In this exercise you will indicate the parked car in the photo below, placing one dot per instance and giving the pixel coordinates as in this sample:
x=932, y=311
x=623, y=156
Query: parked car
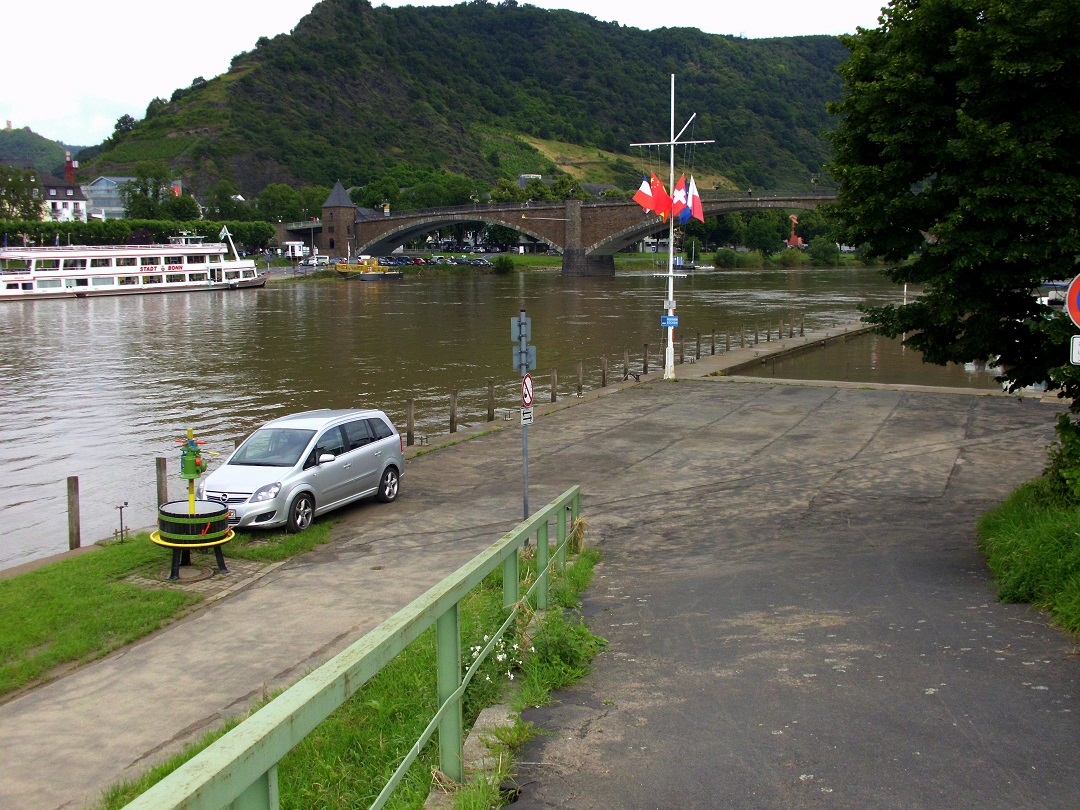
x=297, y=467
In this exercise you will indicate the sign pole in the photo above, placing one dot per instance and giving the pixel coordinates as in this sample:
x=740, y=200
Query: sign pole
x=524, y=359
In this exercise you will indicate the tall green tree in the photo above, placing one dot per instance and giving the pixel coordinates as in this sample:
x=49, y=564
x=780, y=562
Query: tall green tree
x=20, y=195
x=278, y=203
x=761, y=234
x=957, y=153
x=143, y=196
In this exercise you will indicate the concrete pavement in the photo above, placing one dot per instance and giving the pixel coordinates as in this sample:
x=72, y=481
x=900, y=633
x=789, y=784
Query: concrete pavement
x=795, y=608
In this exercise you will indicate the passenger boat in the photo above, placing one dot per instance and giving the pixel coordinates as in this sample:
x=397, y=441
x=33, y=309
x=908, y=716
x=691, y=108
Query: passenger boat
x=78, y=271
x=368, y=268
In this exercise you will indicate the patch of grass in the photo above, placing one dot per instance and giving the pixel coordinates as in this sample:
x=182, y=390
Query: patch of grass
x=79, y=609
x=1032, y=545
x=274, y=546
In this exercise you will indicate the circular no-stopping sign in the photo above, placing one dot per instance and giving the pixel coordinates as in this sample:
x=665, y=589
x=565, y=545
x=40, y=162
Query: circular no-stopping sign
x=1072, y=300
x=527, y=391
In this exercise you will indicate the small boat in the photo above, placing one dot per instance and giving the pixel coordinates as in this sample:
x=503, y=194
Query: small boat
x=78, y=271
x=368, y=268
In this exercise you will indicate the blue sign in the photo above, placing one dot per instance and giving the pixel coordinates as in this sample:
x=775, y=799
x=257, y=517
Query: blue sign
x=669, y=320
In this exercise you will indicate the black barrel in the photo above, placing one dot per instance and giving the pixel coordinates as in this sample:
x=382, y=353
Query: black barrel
x=208, y=526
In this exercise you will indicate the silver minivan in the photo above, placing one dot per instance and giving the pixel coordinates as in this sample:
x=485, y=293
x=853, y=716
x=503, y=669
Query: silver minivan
x=297, y=467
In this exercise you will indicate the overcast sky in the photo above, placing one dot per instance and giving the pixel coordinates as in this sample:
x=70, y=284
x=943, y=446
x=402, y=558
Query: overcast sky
x=73, y=68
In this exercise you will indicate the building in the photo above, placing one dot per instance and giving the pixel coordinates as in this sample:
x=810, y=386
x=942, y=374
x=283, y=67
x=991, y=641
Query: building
x=61, y=200
x=103, y=197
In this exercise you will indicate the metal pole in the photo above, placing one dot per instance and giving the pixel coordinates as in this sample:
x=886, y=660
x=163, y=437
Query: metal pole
x=523, y=358
x=669, y=355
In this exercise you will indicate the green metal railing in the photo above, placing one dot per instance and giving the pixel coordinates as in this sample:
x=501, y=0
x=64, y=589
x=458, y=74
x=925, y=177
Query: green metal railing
x=239, y=770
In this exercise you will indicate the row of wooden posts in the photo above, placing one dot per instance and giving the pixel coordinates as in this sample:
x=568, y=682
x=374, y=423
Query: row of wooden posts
x=743, y=336
x=730, y=340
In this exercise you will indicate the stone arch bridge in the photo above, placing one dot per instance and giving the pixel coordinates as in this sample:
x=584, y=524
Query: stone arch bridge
x=588, y=234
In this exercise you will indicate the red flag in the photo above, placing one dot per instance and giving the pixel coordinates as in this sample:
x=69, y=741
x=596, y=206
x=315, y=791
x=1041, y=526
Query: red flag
x=693, y=202
x=661, y=202
x=643, y=196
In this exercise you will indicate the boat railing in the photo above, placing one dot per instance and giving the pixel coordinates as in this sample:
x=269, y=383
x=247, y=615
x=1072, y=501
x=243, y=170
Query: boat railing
x=203, y=247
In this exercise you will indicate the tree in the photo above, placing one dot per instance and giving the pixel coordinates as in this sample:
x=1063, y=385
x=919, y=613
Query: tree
x=180, y=209
x=125, y=123
x=20, y=195
x=824, y=252
x=958, y=158
x=278, y=202
x=761, y=235
x=143, y=196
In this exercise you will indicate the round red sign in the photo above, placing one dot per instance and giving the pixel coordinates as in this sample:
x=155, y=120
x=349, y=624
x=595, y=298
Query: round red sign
x=1072, y=301
x=527, y=391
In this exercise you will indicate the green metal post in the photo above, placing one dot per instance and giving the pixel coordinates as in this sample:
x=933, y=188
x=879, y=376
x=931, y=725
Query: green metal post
x=261, y=794
x=560, y=538
x=542, y=552
x=448, y=664
x=511, y=580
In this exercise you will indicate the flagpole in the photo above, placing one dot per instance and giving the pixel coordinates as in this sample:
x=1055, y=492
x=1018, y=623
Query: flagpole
x=669, y=302
x=669, y=354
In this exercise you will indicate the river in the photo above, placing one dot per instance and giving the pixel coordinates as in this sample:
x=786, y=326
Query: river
x=99, y=387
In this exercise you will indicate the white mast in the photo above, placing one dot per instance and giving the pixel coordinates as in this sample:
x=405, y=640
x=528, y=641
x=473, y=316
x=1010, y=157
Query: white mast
x=669, y=302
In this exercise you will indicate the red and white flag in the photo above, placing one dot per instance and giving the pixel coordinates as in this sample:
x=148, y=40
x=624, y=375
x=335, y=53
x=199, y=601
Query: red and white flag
x=643, y=196
x=693, y=202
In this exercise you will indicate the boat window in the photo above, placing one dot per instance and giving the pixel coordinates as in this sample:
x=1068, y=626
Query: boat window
x=126, y=280
x=74, y=264
x=174, y=278
x=150, y=261
x=196, y=276
x=28, y=285
x=196, y=260
x=103, y=281
x=14, y=286
x=47, y=264
x=151, y=280
x=126, y=261
x=174, y=260
x=249, y=274
x=98, y=262
x=46, y=283
x=76, y=282
x=232, y=274
x=214, y=259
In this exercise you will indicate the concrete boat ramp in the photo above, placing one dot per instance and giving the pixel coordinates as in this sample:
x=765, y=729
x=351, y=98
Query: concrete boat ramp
x=795, y=608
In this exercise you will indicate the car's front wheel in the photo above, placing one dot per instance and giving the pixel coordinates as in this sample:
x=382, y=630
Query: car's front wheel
x=388, y=486
x=301, y=513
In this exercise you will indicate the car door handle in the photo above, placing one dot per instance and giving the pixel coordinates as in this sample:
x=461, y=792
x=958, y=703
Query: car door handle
x=346, y=466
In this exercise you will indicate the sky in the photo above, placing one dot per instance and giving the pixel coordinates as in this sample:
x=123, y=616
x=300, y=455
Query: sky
x=74, y=68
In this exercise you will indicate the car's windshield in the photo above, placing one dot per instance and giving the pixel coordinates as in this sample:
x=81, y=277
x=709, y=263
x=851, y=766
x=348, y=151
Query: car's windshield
x=272, y=447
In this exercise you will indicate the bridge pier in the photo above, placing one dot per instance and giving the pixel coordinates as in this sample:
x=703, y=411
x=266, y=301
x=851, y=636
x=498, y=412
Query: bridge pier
x=576, y=263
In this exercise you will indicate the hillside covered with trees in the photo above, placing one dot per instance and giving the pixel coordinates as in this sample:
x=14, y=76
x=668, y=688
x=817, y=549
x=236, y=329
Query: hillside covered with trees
x=483, y=90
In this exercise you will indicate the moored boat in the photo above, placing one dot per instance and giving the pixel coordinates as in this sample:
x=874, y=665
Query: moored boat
x=187, y=263
x=368, y=268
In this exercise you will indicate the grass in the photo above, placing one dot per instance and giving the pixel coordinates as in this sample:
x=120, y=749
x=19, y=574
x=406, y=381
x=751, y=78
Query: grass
x=350, y=756
x=1032, y=545
x=74, y=611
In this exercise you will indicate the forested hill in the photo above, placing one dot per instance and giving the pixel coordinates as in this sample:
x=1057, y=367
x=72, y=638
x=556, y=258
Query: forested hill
x=482, y=90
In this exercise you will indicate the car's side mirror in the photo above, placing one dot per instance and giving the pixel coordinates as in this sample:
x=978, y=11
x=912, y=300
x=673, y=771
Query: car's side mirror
x=326, y=458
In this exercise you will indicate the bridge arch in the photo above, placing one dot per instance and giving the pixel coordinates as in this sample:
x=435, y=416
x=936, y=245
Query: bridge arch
x=396, y=235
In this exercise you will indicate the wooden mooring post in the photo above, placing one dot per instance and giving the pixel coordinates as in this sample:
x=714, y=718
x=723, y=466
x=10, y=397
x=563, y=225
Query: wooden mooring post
x=161, y=469
x=74, y=521
x=580, y=378
x=554, y=385
x=410, y=423
x=645, y=359
x=603, y=371
x=491, y=400
x=453, y=410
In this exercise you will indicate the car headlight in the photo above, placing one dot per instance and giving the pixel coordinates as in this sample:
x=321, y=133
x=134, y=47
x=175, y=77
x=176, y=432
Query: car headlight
x=267, y=493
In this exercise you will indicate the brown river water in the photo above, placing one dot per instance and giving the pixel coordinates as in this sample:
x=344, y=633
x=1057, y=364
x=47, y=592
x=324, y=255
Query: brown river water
x=100, y=387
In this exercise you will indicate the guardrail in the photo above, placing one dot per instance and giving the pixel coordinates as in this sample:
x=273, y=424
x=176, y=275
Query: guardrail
x=240, y=769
